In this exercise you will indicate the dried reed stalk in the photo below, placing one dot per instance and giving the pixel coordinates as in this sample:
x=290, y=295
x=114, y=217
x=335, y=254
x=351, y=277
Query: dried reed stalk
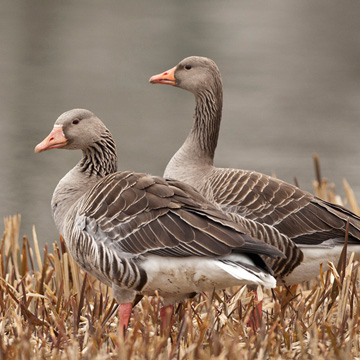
x=54, y=311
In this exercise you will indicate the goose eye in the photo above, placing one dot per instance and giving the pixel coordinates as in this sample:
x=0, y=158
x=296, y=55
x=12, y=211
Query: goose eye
x=75, y=121
x=187, y=67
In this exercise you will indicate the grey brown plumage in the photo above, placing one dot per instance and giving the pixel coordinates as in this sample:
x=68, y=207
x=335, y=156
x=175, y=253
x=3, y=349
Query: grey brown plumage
x=303, y=217
x=302, y=222
x=127, y=229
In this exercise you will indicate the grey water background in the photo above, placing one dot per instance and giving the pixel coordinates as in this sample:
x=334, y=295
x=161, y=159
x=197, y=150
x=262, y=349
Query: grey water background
x=290, y=68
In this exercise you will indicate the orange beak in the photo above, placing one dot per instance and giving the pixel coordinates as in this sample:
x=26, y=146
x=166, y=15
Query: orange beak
x=54, y=140
x=167, y=78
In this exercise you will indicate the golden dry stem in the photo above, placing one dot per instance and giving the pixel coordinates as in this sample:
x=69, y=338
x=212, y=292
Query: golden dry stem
x=49, y=309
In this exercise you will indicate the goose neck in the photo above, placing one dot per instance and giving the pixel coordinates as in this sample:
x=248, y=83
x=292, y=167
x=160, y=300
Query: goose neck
x=98, y=160
x=207, y=117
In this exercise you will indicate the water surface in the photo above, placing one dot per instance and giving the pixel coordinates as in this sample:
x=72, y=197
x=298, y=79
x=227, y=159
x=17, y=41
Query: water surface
x=291, y=74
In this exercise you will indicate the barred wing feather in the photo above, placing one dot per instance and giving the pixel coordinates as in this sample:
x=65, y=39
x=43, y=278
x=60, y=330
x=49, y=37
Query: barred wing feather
x=303, y=217
x=139, y=214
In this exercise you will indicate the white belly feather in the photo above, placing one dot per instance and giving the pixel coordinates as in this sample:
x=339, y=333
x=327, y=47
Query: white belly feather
x=175, y=277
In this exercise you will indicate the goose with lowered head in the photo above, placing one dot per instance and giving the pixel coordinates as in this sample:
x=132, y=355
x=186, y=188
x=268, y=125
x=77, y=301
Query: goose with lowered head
x=139, y=233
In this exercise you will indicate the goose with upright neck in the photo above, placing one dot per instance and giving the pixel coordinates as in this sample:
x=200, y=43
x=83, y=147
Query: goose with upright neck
x=139, y=233
x=195, y=157
x=316, y=228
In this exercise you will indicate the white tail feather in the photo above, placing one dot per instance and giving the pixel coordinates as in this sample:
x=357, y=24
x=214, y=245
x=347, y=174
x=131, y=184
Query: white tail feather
x=241, y=272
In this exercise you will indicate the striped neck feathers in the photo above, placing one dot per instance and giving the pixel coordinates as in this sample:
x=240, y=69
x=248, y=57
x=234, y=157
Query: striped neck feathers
x=100, y=159
x=207, y=117
x=195, y=158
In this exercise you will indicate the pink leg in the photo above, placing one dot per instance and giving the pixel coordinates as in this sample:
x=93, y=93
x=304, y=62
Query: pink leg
x=165, y=316
x=255, y=319
x=124, y=313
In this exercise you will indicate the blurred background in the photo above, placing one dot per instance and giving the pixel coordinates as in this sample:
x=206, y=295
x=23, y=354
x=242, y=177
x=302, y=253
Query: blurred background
x=291, y=75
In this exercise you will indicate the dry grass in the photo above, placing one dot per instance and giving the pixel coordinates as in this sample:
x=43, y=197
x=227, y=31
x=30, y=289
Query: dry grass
x=49, y=309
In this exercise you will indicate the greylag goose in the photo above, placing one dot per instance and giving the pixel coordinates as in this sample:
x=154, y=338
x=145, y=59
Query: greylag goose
x=139, y=233
x=315, y=227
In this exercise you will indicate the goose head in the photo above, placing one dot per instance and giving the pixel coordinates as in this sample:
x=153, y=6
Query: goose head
x=195, y=73
x=74, y=129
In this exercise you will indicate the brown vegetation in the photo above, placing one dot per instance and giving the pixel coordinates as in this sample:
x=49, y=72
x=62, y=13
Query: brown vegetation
x=49, y=309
